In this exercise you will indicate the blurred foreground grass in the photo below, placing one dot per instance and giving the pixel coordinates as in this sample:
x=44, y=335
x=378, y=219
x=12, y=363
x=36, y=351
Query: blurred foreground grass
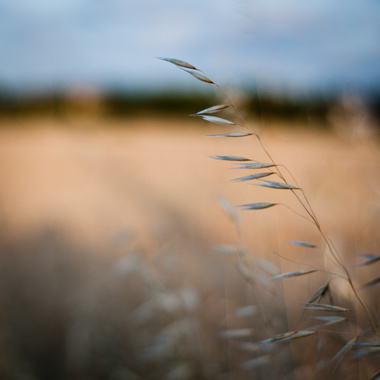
x=107, y=263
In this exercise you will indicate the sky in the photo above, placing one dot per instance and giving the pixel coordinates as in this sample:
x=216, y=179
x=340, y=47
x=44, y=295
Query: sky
x=314, y=45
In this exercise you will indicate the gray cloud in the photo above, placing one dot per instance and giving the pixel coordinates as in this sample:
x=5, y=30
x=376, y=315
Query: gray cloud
x=275, y=43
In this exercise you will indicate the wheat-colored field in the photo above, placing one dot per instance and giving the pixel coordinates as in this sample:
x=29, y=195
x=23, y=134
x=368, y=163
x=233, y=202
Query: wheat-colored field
x=101, y=194
x=92, y=179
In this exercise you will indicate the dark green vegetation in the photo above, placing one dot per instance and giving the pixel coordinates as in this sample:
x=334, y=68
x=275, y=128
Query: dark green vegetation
x=124, y=104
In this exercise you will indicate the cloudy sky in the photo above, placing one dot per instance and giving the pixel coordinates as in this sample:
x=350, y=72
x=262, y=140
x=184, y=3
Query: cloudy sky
x=310, y=45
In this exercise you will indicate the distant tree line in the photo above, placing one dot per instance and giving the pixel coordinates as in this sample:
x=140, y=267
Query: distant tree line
x=121, y=104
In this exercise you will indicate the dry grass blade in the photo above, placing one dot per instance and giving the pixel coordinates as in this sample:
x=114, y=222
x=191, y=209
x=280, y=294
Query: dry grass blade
x=212, y=109
x=246, y=311
x=199, y=76
x=278, y=337
x=255, y=165
x=256, y=362
x=237, y=333
x=374, y=344
x=373, y=282
x=232, y=134
x=179, y=63
x=290, y=335
x=252, y=176
x=296, y=273
x=257, y=205
x=227, y=249
x=268, y=267
x=366, y=352
x=230, y=158
x=256, y=348
x=325, y=307
x=300, y=334
x=330, y=320
x=319, y=293
x=230, y=211
x=370, y=259
x=375, y=376
x=247, y=273
x=344, y=351
x=277, y=185
x=217, y=120
x=302, y=244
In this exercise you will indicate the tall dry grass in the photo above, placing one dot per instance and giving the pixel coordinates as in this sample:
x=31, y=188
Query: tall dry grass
x=342, y=327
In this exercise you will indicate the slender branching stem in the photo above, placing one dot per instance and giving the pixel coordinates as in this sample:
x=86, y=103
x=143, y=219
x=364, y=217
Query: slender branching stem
x=309, y=210
x=303, y=201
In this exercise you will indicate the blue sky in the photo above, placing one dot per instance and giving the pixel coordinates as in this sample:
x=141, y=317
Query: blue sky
x=310, y=45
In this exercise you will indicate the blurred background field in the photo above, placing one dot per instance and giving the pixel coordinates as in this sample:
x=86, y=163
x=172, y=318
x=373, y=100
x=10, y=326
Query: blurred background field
x=110, y=206
x=108, y=235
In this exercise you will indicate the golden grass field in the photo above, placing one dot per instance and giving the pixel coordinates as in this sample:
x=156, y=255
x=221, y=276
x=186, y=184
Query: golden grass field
x=91, y=179
x=80, y=199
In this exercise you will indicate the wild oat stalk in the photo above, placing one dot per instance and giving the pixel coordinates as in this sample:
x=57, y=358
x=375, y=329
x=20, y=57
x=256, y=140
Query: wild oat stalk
x=276, y=169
